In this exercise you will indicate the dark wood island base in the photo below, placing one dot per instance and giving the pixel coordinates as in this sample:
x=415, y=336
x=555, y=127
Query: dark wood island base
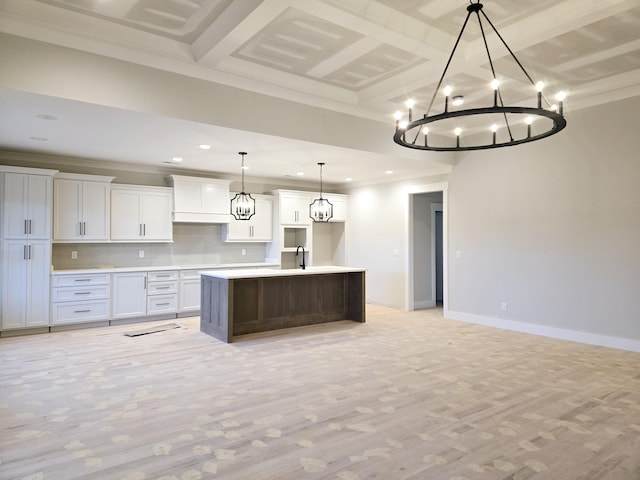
x=237, y=303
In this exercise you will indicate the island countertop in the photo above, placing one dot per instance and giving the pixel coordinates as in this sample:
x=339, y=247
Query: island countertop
x=272, y=272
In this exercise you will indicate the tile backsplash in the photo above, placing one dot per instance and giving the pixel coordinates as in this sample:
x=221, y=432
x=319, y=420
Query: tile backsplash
x=193, y=244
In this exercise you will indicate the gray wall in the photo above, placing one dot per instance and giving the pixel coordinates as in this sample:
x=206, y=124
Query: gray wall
x=552, y=228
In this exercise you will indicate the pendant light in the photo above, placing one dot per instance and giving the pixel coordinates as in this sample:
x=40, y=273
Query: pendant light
x=321, y=209
x=243, y=205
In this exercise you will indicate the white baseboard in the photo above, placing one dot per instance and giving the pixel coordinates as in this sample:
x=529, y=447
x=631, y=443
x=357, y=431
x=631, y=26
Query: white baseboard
x=546, y=331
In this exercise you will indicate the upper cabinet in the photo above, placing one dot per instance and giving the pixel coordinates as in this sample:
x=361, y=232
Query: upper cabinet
x=339, y=203
x=26, y=203
x=200, y=200
x=294, y=207
x=141, y=214
x=81, y=208
x=259, y=228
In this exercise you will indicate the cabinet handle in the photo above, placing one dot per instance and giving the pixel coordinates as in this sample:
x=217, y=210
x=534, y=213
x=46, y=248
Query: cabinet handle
x=164, y=275
x=30, y=227
x=164, y=303
x=81, y=311
x=26, y=228
x=82, y=280
x=144, y=229
x=163, y=288
x=24, y=252
x=82, y=293
x=140, y=229
x=29, y=252
x=84, y=228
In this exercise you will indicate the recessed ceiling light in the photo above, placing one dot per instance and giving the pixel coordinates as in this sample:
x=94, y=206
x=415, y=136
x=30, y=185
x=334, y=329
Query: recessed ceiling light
x=39, y=139
x=204, y=146
x=47, y=116
x=300, y=174
x=388, y=172
x=348, y=179
x=245, y=167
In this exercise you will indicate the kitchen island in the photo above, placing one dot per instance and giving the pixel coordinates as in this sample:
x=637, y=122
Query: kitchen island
x=239, y=302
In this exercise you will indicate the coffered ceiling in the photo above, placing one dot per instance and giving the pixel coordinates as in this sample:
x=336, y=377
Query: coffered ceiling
x=355, y=57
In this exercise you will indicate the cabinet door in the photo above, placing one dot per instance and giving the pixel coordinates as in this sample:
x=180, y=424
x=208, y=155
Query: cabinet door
x=39, y=207
x=129, y=295
x=14, y=205
x=14, y=284
x=156, y=216
x=67, y=215
x=339, y=208
x=189, y=295
x=263, y=221
x=294, y=209
x=25, y=283
x=95, y=211
x=126, y=218
x=37, y=283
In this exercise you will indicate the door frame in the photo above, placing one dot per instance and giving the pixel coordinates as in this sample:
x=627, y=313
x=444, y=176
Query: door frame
x=409, y=267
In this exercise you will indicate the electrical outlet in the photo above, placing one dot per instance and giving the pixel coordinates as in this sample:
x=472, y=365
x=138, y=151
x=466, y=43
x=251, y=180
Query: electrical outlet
x=74, y=255
x=141, y=254
x=503, y=306
x=458, y=253
x=244, y=251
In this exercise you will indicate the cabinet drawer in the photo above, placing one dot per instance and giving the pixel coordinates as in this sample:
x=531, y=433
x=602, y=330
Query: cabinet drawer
x=159, y=288
x=162, y=276
x=90, y=292
x=80, y=280
x=79, y=312
x=162, y=304
x=189, y=274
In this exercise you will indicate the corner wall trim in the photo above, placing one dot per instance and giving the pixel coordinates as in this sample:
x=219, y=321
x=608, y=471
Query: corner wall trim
x=546, y=331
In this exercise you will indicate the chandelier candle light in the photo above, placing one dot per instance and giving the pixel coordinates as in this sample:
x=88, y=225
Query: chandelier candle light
x=321, y=209
x=243, y=205
x=414, y=133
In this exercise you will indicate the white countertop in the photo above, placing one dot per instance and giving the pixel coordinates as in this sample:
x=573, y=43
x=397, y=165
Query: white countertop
x=272, y=272
x=115, y=269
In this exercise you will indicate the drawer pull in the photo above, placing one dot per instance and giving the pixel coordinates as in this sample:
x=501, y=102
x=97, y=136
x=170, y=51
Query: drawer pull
x=165, y=275
x=82, y=280
x=81, y=311
x=164, y=303
x=163, y=288
x=82, y=293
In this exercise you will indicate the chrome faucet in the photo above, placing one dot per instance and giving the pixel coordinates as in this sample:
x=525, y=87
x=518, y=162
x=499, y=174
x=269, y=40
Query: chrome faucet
x=298, y=251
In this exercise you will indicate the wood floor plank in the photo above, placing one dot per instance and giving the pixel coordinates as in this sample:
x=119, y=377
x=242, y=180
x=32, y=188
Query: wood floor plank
x=407, y=395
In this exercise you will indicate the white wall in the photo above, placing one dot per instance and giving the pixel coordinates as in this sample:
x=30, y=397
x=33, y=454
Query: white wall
x=378, y=237
x=552, y=229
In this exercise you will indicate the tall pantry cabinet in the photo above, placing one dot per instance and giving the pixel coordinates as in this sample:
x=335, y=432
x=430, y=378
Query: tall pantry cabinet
x=26, y=197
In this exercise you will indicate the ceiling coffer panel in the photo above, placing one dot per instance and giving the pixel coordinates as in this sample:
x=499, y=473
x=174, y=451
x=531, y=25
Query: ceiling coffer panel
x=182, y=20
x=295, y=42
x=379, y=63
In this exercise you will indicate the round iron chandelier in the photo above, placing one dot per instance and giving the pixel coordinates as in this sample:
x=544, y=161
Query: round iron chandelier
x=505, y=125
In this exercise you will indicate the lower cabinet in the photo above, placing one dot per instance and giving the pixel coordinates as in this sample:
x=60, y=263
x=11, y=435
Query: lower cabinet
x=80, y=298
x=189, y=291
x=129, y=296
x=25, y=283
x=162, y=292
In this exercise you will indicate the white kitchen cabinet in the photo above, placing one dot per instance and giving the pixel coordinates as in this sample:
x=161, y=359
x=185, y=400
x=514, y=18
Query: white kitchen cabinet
x=26, y=205
x=259, y=228
x=294, y=208
x=128, y=295
x=80, y=298
x=141, y=214
x=189, y=294
x=25, y=283
x=162, y=292
x=339, y=203
x=200, y=200
x=81, y=208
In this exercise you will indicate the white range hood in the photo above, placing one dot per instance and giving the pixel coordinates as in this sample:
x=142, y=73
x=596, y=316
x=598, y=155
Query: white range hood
x=200, y=199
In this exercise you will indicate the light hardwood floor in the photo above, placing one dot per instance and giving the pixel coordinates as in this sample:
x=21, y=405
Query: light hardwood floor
x=407, y=395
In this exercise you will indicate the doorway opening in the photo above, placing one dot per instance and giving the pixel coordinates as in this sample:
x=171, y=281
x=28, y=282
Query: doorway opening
x=427, y=257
